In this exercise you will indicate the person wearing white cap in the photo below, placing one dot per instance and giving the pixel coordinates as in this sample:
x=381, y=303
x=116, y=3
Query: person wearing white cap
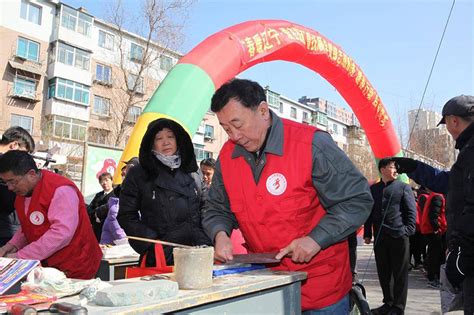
x=458, y=184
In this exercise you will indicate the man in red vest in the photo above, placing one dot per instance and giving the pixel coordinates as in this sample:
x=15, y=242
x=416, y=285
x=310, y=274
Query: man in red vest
x=289, y=189
x=54, y=225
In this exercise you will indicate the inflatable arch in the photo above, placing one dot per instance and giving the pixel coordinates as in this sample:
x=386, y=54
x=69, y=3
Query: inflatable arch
x=185, y=94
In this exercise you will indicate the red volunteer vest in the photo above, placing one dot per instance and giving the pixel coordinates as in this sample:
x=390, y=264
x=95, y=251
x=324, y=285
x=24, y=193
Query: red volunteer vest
x=419, y=211
x=284, y=206
x=426, y=227
x=80, y=259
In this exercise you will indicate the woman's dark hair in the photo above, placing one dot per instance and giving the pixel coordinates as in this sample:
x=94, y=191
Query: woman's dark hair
x=249, y=93
x=183, y=141
x=16, y=133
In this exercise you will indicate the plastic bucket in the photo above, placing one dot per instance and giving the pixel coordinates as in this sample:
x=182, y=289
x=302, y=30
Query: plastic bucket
x=193, y=267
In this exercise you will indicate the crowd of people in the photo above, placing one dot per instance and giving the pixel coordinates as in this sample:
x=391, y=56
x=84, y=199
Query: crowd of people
x=277, y=186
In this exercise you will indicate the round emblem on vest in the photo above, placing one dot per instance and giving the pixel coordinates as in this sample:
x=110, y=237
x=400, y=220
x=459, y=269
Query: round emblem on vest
x=276, y=184
x=37, y=217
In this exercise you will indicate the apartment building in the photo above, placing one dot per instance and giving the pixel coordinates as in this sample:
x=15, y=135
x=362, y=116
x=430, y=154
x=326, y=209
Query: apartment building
x=332, y=118
x=423, y=119
x=430, y=140
x=70, y=78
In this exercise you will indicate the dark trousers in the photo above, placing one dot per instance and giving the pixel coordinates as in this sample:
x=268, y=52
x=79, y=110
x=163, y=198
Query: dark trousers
x=436, y=255
x=352, y=240
x=392, y=259
x=417, y=248
x=468, y=291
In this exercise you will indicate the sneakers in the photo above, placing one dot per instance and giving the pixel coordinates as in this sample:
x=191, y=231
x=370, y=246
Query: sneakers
x=382, y=310
x=434, y=284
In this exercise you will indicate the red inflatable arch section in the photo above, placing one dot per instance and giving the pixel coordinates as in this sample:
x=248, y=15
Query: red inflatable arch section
x=225, y=54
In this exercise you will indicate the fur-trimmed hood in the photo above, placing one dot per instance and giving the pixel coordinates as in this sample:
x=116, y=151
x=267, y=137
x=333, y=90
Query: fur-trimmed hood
x=184, y=144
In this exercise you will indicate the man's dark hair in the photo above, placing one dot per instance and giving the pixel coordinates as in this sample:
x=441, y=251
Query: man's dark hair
x=104, y=176
x=384, y=162
x=247, y=92
x=18, y=162
x=20, y=135
x=208, y=162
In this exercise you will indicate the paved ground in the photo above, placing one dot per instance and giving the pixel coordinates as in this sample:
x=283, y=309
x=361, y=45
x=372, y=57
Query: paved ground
x=421, y=299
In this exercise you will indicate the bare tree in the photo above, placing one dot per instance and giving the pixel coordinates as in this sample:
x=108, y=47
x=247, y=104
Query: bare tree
x=136, y=71
x=360, y=153
x=436, y=144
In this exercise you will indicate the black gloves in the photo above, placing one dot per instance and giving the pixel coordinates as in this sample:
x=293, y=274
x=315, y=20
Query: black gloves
x=404, y=165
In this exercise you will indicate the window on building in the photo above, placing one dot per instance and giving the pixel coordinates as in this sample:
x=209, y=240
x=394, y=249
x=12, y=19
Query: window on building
x=68, y=18
x=281, y=107
x=30, y=12
x=106, y=40
x=136, y=53
x=97, y=135
x=321, y=118
x=133, y=113
x=69, y=128
x=103, y=73
x=24, y=87
x=66, y=54
x=200, y=153
x=25, y=122
x=84, y=24
x=69, y=90
x=27, y=49
x=166, y=63
x=135, y=83
x=76, y=21
x=335, y=129
x=82, y=59
x=209, y=132
x=273, y=99
x=305, y=117
x=101, y=106
x=293, y=112
x=344, y=131
x=72, y=56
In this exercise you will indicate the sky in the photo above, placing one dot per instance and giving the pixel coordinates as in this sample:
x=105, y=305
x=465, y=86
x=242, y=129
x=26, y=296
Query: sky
x=393, y=41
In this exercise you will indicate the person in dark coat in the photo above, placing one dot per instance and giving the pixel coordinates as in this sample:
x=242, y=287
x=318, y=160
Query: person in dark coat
x=14, y=138
x=98, y=208
x=458, y=184
x=161, y=198
x=393, y=219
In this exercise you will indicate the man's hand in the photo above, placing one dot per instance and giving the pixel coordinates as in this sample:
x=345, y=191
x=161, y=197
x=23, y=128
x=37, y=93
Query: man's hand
x=223, y=247
x=404, y=165
x=7, y=249
x=301, y=250
x=367, y=240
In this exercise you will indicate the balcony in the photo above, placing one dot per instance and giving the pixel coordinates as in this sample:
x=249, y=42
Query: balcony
x=24, y=89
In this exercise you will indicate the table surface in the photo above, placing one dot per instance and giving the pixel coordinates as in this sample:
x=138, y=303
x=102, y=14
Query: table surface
x=223, y=287
x=122, y=259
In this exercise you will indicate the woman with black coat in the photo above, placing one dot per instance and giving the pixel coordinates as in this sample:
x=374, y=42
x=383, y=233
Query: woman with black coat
x=162, y=197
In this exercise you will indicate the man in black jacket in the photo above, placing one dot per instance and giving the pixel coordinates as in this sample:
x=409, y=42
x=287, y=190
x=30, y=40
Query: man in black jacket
x=458, y=184
x=393, y=218
x=14, y=138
